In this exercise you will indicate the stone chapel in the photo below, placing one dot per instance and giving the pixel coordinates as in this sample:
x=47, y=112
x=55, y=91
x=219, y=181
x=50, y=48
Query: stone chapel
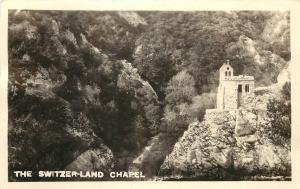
x=233, y=91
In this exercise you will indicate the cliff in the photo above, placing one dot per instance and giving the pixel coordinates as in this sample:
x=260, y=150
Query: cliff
x=229, y=145
x=116, y=90
x=67, y=99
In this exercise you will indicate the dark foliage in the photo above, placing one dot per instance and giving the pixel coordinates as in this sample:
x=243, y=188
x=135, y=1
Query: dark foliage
x=68, y=63
x=280, y=113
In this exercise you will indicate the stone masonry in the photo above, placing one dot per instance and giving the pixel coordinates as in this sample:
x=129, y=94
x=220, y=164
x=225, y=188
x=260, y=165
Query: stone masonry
x=233, y=91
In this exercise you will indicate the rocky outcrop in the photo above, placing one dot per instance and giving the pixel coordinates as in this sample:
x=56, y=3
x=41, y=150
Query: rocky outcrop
x=70, y=88
x=277, y=33
x=227, y=145
x=100, y=159
x=67, y=97
x=284, y=75
x=132, y=18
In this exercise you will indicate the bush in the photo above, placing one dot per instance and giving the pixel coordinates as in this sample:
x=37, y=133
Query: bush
x=280, y=113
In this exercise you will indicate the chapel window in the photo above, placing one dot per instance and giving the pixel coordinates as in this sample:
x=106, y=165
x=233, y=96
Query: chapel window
x=247, y=88
x=240, y=88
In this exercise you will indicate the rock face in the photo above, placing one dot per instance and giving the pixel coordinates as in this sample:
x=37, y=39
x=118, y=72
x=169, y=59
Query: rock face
x=100, y=159
x=68, y=96
x=284, y=75
x=227, y=145
x=132, y=18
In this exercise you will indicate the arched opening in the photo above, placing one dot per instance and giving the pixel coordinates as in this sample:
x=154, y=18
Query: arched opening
x=226, y=73
x=229, y=73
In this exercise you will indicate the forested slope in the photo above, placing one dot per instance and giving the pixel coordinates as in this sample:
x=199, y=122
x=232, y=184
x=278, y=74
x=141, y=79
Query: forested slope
x=108, y=82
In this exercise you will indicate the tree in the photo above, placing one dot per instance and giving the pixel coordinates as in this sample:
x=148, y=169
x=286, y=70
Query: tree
x=153, y=60
x=180, y=89
x=201, y=103
x=280, y=113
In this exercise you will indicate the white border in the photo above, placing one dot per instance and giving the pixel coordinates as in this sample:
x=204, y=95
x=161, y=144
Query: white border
x=184, y=5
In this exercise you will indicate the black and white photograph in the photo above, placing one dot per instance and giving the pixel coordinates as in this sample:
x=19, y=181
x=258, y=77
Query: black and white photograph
x=158, y=95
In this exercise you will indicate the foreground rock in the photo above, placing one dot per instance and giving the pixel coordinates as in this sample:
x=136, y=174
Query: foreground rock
x=228, y=145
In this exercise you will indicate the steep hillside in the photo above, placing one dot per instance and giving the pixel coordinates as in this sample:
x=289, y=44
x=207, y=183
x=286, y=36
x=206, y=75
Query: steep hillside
x=67, y=99
x=232, y=145
x=115, y=90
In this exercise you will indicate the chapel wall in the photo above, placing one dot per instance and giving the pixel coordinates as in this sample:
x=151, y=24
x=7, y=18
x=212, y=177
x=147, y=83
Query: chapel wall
x=230, y=95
